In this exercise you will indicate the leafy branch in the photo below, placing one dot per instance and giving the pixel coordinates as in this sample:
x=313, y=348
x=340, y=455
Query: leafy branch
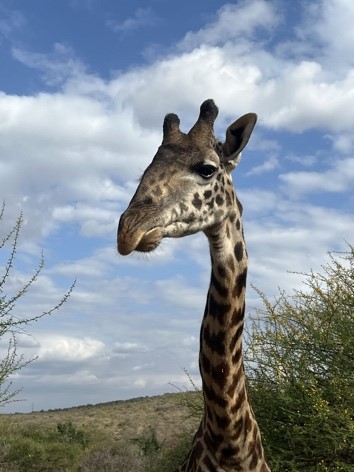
x=10, y=324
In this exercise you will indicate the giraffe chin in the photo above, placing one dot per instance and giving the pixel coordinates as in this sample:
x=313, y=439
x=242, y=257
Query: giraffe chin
x=150, y=240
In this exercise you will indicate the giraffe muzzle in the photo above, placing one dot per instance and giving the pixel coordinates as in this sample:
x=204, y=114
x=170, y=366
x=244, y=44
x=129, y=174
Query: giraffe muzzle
x=138, y=241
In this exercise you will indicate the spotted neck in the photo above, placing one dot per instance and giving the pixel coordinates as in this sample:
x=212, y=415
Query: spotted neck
x=228, y=438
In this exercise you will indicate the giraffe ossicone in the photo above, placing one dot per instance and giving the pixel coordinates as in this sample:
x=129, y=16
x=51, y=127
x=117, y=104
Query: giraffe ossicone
x=188, y=188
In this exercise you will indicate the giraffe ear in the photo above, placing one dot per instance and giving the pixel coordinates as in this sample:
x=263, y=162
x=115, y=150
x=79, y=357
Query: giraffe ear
x=237, y=136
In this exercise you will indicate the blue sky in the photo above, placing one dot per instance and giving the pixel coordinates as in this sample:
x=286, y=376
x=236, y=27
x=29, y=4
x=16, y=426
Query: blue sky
x=84, y=87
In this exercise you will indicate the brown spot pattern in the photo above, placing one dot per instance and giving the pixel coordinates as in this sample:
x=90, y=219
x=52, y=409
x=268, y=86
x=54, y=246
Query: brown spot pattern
x=215, y=341
x=197, y=202
x=240, y=283
x=219, y=200
x=239, y=251
x=220, y=288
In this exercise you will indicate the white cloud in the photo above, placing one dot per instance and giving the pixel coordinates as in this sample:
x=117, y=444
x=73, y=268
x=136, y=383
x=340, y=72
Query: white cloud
x=178, y=292
x=267, y=166
x=305, y=160
x=148, y=365
x=142, y=17
x=343, y=142
x=10, y=22
x=293, y=236
x=94, y=220
x=128, y=347
x=240, y=21
x=258, y=201
x=55, y=67
x=59, y=148
x=190, y=341
x=41, y=295
x=302, y=98
x=26, y=341
x=339, y=178
x=81, y=143
x=329, y=23
x=58, y=348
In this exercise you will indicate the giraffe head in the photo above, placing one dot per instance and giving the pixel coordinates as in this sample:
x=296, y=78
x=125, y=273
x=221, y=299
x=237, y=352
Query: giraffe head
x=187, y=187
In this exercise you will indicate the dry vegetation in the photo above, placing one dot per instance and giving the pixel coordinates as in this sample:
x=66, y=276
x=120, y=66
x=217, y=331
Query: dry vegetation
x=117, y=421
x=118, y=436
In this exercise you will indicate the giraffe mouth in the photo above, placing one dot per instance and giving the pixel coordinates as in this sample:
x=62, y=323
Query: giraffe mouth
x=150, y=240
x=139, y=241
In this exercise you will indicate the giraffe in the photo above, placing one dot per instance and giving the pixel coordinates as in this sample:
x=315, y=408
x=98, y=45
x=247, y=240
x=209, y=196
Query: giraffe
x=188, y=188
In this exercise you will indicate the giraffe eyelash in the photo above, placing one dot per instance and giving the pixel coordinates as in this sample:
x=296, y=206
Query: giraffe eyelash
x=205, y=170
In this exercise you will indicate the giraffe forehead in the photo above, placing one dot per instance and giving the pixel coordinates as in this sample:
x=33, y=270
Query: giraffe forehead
x=182, y=156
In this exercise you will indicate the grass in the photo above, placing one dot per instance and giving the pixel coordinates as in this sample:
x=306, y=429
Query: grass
x=121, y=420
x=130, y=435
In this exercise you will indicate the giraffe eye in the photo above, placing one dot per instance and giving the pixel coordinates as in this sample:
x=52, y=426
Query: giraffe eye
x=205, y=170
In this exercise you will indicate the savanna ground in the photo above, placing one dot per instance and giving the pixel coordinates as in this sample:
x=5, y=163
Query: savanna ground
x=119, y=436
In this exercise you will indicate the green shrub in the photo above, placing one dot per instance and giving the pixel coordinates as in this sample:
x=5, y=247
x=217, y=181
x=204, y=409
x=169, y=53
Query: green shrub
x=171, y=458
x=69, y=433
x=41, y=449
x=26, y=454
x=149, y=444
x=301, y=372
x=114, y=459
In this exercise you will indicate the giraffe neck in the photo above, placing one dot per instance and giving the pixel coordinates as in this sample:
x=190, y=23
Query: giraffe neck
x=228, y=438
x=221, y=360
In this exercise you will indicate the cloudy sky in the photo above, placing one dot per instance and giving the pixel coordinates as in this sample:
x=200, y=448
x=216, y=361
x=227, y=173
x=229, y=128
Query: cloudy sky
x=84, y=87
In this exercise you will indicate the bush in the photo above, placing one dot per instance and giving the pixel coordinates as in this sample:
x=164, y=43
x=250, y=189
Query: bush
x=10, y=324
x=148, y=444
x=170, y=459
x=113, y=459
x=41, y=449
x=70, y=434
x=301, y=373
x=26, y=453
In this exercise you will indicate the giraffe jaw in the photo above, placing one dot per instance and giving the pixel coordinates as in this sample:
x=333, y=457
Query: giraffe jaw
x=137, y=240
x=150, y=240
